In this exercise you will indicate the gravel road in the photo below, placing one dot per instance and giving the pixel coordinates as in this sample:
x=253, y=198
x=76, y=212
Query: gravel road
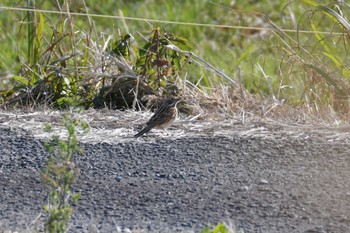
x=258, y=178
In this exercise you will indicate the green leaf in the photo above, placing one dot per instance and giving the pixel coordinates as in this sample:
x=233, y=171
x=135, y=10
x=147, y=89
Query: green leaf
x=20, y=79
x=76, y=197
x=244, y=55
x=220, y=228
x=60, y=101
x=182, y=43
x=70, y=128
x=48, y=128
x=310, y=2
x=205, y=230
x=335, y=16
x=46, y=208
x=6, y=93
x=143, y=52
x=40, y=27
x=85, y=126
x=39, y=34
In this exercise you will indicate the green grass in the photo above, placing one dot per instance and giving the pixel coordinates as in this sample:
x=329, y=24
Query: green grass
x=297, y=66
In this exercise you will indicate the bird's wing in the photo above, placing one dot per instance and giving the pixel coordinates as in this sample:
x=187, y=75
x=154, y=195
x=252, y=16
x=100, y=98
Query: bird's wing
x=161, y=116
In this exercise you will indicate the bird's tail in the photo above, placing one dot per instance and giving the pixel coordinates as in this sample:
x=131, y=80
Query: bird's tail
x=142, y=132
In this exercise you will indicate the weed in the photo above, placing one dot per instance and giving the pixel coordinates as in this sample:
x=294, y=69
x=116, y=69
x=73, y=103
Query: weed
x=219, y=228
x=59, y=176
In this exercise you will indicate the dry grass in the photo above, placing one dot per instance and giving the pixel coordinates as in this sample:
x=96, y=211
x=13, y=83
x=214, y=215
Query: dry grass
x=116, y=83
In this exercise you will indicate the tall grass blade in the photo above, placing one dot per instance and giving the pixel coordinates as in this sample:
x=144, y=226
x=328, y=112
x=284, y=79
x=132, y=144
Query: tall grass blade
x=328, y=78
x=30, y=19
x=38, y=36
x=335, y=16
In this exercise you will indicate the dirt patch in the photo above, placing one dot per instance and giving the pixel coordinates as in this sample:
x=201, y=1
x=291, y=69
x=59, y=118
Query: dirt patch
x=258, y=176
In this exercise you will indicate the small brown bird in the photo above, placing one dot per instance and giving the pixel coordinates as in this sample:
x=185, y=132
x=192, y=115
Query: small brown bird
x=163, y=117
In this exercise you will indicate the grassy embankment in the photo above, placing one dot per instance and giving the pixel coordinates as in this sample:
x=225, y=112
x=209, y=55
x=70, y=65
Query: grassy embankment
x=283, y=54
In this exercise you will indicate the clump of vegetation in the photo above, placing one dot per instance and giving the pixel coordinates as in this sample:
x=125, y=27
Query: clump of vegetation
x=151, y=70
x=65, y=68
x=292, y=54
x=219, y=228
x=60, y=175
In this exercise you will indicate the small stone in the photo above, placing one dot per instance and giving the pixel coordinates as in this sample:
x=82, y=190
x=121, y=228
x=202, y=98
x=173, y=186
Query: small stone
x=244, y=188
x=263, y=181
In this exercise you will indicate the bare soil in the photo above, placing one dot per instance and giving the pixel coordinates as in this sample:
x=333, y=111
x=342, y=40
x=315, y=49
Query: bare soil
x=261, y=176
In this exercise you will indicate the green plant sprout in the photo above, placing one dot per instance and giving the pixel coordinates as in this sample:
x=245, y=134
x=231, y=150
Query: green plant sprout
x=60, y=175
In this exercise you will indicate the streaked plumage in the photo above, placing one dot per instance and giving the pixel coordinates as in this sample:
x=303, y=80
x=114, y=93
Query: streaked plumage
x=163, y=117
